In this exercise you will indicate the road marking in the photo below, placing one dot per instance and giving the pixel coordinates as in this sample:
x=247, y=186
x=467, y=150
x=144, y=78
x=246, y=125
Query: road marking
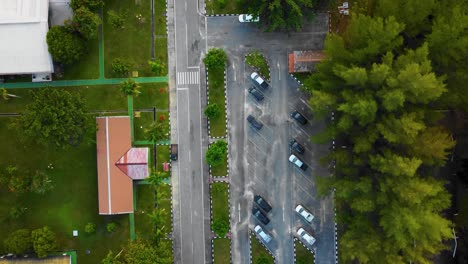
x=193, y=67
x=190, y=77
x=234, y=67
x=279, y=71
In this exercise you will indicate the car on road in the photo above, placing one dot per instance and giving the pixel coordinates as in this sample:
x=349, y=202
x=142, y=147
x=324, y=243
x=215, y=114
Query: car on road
x=306, y=236
x=262, y=203
x=248, y=18
x=296, y=146
x=258, y=80
x=256, y=94
x=260, y=216
x=264, y=236
x=304, y=213
x=296, y=161
x=299, y=117
x=256, y=124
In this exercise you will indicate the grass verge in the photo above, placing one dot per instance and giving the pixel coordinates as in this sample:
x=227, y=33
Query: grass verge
x=219, y=201
x=259, y=63
x=303, y=255
x=221, y=249
x=163, y=194
x=259, y=252
x=214, y=7
x=145, y=204
x=162, y=156
x=216, y=93
x=221, y=169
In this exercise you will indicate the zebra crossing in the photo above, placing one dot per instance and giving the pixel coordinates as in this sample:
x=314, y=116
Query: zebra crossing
x=191, y=77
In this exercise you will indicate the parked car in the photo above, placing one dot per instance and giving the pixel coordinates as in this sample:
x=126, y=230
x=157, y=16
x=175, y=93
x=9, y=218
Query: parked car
x=304, y=213
x=248, y=18
x=256, y=93
x=299, y=117
x=256, y=124
x=296, y=146
x=258, y=80
x=262, y=203
x=306, y=236
x=174, y=151
x=260, y=216
x=296, y=161
x=264, y=236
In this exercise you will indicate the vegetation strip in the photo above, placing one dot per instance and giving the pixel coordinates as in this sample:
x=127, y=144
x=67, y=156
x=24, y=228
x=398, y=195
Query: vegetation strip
x=220, y=208
x=222, y=250
x=259, y=254
x=259, y=62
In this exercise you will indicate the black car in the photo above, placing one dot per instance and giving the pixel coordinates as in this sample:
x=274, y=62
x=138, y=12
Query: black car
x=262, y=203
x=256, y=93
x=256, y=124
x=260, y=216
x=299, y=117
x=296, y=146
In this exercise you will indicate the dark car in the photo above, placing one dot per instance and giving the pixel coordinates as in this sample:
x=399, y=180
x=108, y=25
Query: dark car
x=299, y=117
x=256, y=124
x=262, y=203
x=296, y=146
x=260, y=216
x=256, y=93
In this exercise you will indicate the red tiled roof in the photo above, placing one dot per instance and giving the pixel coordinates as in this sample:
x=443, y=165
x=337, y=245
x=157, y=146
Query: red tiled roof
x=304, y=61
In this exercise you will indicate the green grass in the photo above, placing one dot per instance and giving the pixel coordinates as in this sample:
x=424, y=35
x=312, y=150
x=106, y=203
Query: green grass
x=221, y=169
x=141, y=123
x=302, y=76
x=216, y=93
x=160, y=18
x=303, y=255
x=164, y=203
x=133, y=41
x=259, y=63
x=220, y=200
x=222, y=253
x=168, y=244
x=69, y=206
x=160, y=45
x=98, y=97
x=259, y=251
x=86, y=68
x=145, y=204
x=230, y=7
x=162, y=155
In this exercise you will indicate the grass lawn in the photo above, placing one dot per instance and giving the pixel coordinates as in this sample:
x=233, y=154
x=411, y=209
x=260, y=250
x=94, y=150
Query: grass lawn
x=164, y=203
x=142, y=122
x=216, y=93
x=132, y=42
x=86, y=68
x=145, y=204
x=69, y=206
x=160, y=18
x=221, y=169
x=303, y=255
x=230, y=7
x=167, y=243
x=160, y=45
x=259, y=251
x=220, y=200
x=221, y=248
x=259, y=63
x=98, y=97
x=162, y=155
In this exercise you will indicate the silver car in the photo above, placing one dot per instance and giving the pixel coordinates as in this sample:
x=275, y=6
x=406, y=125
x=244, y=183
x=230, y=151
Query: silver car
x=306, y=236
x=304, y=213
x=264, y=236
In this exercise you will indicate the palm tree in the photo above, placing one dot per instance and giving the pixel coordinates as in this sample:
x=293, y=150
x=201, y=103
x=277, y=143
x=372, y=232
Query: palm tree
x=130, y=87
x=156, y=178
x=6, y=96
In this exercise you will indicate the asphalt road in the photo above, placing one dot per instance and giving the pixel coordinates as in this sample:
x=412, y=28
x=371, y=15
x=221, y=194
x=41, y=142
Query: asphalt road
x=190, y=179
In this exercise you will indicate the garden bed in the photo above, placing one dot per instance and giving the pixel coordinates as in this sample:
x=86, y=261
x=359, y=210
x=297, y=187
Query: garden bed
x=221, y=169
x=259, y=63
x=303, y=255
x=259, y=254
x=219, y=202
x=216, y=92
x=222, y=250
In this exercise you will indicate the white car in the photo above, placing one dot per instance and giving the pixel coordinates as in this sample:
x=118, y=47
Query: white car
x=306, y=236
x=304, y=213
x=248, y=18
x=264, y=236
x=259, y=81
x=296, y=161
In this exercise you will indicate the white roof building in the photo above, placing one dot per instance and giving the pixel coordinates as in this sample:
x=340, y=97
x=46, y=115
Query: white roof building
x=23, y=30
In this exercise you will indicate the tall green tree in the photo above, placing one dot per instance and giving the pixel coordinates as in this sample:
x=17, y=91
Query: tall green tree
x=215, y=59
x=85, y=22
x=44, y=241
x=56, y=117
x=65, y=47
x=18, y=242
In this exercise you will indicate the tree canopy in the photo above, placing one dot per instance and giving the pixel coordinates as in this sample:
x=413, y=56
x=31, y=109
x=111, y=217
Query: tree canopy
x=18, y=242
x=65, y=47
x=55, y=117
x=215, y=59
x=85, y=22
x=140, y=252
x=216, y=152
x=44, y=241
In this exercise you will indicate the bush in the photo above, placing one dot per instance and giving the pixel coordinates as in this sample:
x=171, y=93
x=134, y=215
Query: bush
x=216, y=153
x=91, y=4
x=44, y=241
x=215, y=59
x=258, y=61
x=90, y=228
x=220, y=226
x=221, y=3
x=212, y=111
x=157, y=67
x=18, y=242
x=116, y=20
x=111, y=227
x=86, y=22
x=121, y=67
x=65, y=46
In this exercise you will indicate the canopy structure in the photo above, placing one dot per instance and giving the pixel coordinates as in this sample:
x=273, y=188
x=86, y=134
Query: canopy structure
x=304, y=61
x=118, y=165
x=23, y=27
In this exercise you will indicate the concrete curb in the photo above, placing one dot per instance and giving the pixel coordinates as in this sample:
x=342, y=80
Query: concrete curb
x=221, y=15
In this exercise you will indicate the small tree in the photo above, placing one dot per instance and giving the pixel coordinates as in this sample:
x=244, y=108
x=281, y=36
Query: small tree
x=116, y=20
x=93, y=5
x=156, y=178
x=18, y=242
x=157, y=66
x=65, y=46
x=216, y=153
x=90, y=228
x=220, y=226
x=44, y=241
x=121, y=66
x=111, y=227
x=130, y=87
x=156, y=131
x=41, y=183
x=212, y=111
x=5, y=95
x=215, y=59
x=85, y=22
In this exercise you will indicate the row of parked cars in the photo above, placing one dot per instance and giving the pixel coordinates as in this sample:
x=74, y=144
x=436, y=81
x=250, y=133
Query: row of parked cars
x=260, y=211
